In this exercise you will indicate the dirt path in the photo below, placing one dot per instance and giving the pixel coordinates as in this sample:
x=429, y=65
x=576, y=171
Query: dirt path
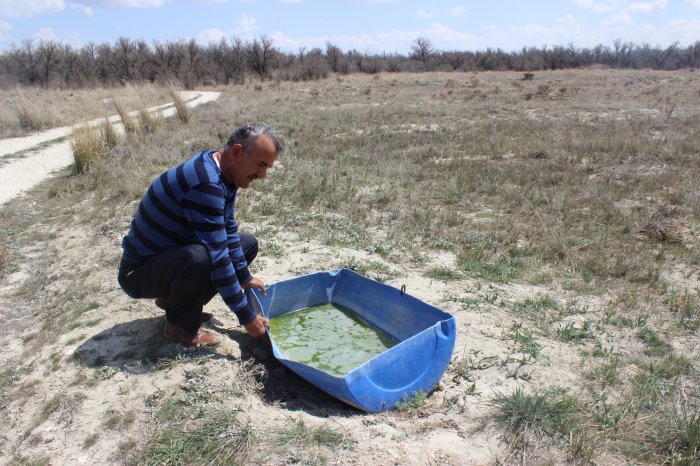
x=26, y=161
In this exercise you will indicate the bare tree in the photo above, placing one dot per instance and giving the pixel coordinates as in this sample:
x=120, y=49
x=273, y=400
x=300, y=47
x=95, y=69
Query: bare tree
x=123, y=60
x=69, y=66
x=26, y=61
x=87, y=65
x=190, y=70
x=422, y=51
x=48, y=59
x=260, y=54
x=333, y=56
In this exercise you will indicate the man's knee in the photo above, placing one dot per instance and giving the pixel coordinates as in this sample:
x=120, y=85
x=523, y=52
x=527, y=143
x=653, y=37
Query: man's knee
x=249, y=244
x=195, y=259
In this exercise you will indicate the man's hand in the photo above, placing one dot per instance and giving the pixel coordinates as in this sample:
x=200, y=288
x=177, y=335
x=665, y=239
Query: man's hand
x=256, y=283
x=256, y=328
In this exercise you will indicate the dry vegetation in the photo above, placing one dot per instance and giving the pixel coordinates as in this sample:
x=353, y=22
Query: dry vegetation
x=556, y=217
x=23, y=110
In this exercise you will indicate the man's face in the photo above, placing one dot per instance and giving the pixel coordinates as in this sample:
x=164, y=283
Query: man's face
x=241, y=167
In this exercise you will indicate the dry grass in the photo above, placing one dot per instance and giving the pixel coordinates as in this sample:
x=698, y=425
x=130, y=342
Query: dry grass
x=44, y=108
x=88, y=146
x=542, y=185
x=131, y=126
x=184, y=113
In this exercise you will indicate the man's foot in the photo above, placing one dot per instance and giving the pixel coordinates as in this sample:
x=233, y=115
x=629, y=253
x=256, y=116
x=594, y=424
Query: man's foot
x=163, y=303
x=197, y=338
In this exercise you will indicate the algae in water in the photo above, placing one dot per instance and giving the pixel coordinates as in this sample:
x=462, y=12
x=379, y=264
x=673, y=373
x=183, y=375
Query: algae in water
x=328, y=337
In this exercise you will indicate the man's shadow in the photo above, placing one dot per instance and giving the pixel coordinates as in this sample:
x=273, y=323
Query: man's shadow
x=139, y=347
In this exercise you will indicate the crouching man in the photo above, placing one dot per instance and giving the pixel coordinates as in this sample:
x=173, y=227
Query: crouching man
x=183, y=245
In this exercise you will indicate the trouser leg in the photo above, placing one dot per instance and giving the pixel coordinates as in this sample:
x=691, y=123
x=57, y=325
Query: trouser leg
x=249, y=244
x=182, y=274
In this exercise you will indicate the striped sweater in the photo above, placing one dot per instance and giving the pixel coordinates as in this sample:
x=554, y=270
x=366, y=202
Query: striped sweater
x=192, y=204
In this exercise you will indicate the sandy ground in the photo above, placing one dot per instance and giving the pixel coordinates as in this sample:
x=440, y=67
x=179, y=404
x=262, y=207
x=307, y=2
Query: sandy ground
x=65, y=421
x=26, y=161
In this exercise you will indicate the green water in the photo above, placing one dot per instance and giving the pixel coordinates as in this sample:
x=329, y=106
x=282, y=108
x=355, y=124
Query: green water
x=328, y=337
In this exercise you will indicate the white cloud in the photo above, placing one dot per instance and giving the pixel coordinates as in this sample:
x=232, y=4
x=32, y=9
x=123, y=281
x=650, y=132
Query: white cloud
x=459, y=11
x=246, y=25
x=245, y=28
x=73, y=39
x=208, y=36
x=87, y=11
x=139, y=3
x=29, y=8
x=598, y=7
x=425, y=14
x=693, y=3
x=127, y=3
x=627, y=6
x=646, y=7
x=565, y=30
x=4, y=27
x=45, y=34
x=618, y=21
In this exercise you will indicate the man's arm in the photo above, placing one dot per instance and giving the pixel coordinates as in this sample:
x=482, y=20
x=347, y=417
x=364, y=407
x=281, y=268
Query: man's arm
x=203, y=206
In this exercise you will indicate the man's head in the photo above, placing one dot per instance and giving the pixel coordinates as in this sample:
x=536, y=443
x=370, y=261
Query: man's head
x=250, y=151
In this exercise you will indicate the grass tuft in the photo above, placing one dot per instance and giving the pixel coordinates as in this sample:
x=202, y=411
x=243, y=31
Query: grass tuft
x=110, y=139
x=219, y=441
x=130, y=125
x=31, y=114
x=300, y=434
x=87, y=145
x=550, y=412
x=184, y=113
x=412, y=404
x=148, y=122
x=675, y=433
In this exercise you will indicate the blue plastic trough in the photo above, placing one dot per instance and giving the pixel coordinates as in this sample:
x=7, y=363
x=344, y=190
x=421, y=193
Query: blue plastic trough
x=426, y=336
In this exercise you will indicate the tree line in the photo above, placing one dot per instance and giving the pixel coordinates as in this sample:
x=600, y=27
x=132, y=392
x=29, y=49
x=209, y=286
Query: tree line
x=56, y=64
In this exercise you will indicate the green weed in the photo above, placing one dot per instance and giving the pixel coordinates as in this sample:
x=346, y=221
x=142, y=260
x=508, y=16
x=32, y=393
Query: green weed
x=675, y=433
x=443, y=273
x=655, y=346
x=524, y=340
x=300, y=434
x=222, y=440
x=550, y=412
x=502, y=270
x=686, y=307
x=571, y=333
x=413, y=403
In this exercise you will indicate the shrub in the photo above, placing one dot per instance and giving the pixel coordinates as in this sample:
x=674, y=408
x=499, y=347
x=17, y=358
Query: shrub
x=183, y=111
x=109, y=135
x=87, y=146
x=130, y=125
x=675, y=433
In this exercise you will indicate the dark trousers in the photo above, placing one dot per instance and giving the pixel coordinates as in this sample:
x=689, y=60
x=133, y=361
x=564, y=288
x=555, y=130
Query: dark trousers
x=181, y=274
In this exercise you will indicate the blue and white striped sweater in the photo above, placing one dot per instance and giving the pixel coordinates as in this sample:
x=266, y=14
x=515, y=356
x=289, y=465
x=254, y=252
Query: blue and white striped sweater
x=192, y=204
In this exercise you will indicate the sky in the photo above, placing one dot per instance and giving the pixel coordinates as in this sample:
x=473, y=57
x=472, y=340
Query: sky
x=368, y=26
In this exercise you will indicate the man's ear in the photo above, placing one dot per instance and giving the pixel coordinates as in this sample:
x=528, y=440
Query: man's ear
x=237, y=150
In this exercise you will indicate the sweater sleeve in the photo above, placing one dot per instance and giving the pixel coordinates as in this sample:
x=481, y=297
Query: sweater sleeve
x=236, y=252
x=203, y=206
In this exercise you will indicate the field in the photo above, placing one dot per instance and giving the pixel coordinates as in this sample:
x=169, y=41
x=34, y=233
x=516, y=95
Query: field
x=556, y=217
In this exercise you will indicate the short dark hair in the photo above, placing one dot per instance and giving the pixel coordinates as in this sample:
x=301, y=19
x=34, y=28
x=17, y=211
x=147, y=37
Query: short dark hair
x=250, y=132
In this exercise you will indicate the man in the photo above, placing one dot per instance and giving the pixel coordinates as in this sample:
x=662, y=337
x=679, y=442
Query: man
x=184, y=246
